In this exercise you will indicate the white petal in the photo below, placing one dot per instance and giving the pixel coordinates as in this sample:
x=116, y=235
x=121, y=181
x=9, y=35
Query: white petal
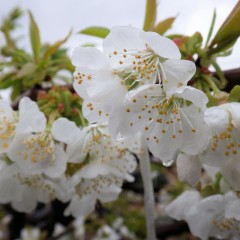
x=197, y=97
x=30, y=118
x=231, y=172
x=189, y=168
x=109, y=194
x=180, y=207
x=234, y=109
x=233, y=210
x=28, y=203
x=194, y=142
x=89, y=58
x=121, y=38
x=178, y=72
x=216, y=118
x=93, y=170
x=80, y=207
x=64, y=130
x=94, y=112
x=163, y=46
x=75, y=151
x=201, y=216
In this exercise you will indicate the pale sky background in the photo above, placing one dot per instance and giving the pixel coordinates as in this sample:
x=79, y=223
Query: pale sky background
x=56, y=17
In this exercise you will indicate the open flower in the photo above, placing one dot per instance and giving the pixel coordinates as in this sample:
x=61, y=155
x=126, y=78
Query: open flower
x=171, y=121
x=132, y=58
x=33, y=147
x=146, y=57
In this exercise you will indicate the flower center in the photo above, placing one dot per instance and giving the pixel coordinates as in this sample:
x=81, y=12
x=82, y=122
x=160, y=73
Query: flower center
x=230, y=140
x=139, y=67
x=38, y=147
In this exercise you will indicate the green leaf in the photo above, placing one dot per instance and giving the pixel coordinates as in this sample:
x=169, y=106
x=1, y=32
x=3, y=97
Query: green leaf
x=53, y=48
x=150, y=15
x=6, y=80
x=164, y=25
x=35, y=37
x=17, y=89
x=211, y=28
x=101, y=32
x=228, y=32
x=234, y=95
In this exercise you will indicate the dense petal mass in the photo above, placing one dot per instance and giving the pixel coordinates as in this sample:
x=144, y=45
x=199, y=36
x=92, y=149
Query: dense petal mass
x=168, y=124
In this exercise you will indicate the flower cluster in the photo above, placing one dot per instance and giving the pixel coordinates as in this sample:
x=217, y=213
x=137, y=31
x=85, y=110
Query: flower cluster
x=41, y=162
x=139, y=84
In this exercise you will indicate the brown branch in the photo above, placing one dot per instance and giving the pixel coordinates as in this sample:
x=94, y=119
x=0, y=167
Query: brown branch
x=233, y=78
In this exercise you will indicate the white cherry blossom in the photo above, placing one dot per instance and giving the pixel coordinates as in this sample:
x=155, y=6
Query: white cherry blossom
x=33, y=147
x=224, y=122
x=171, y=121
x=146, y=57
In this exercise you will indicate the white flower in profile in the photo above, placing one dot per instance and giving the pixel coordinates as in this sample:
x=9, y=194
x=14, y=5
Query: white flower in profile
x=33, y=147
x=171, y=121
x=214, y=216
x=146, y=57
x=224, y=122
x=8, y=120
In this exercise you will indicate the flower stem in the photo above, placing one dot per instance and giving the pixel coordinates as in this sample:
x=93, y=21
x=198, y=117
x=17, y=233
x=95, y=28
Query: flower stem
x=211, y=84
x=149, y=201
